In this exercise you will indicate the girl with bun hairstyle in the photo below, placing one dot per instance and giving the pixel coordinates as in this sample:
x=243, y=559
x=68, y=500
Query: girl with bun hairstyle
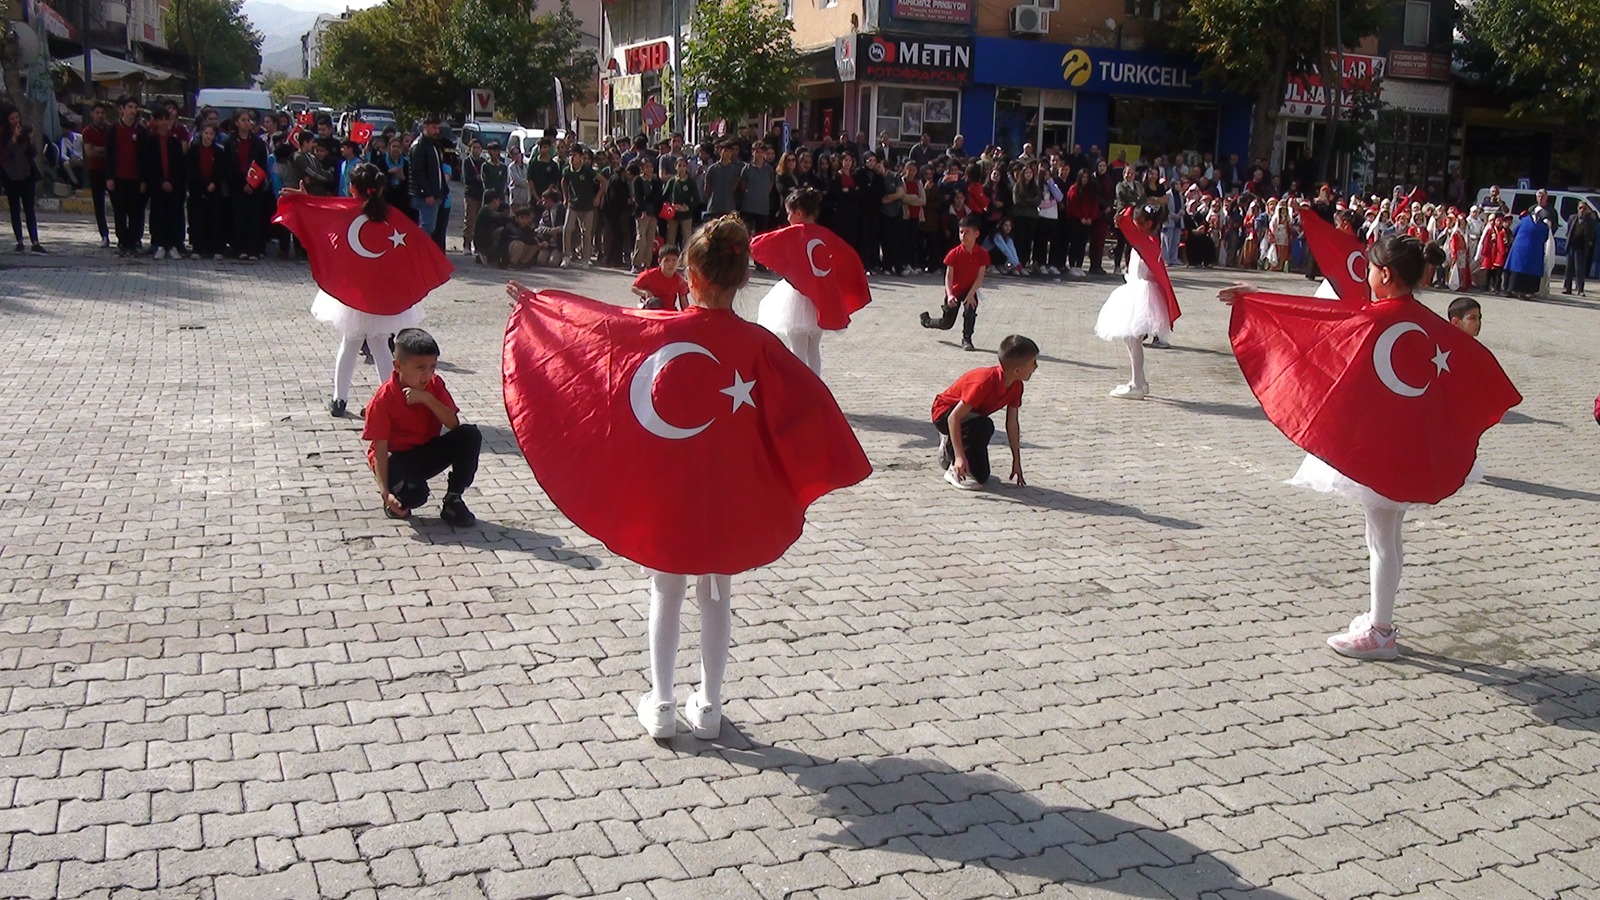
x=1139, y=306
x=1339, y=372
x=355, y=327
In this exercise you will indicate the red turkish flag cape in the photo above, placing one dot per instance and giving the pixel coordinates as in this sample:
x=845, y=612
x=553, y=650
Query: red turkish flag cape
x=1149, y=250
x=820, y=265
x=689, y=442
x=1387, y=393
x=381, y=268
x=1342, y=257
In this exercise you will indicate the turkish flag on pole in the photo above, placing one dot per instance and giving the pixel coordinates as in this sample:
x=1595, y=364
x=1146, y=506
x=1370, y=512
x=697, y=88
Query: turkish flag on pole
x=381, y=268
x=1342, y=257
x=1149, y=250
x=689, y=442
x=1387, y=393
x=821, y=266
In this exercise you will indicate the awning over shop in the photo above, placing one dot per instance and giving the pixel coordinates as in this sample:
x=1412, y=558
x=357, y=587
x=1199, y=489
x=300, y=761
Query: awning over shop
x=110, y=68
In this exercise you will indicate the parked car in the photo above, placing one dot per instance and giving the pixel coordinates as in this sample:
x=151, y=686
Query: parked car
x=528, y=138
x=486, y=132
x=229, y=101
x=1522, y=199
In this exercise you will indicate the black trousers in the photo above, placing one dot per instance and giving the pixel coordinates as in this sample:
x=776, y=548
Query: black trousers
x=250, y=221
x=1577, y=263
x=975, y=434
x=97, y=190
x=166, y=219
x=127, y=205
x=1077, y=242
x=1022, y=232
x=206, y=212
x=456, y=450
x=947, y=319
x=19, y=197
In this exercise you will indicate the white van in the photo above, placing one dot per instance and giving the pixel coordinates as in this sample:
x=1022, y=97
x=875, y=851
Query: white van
x=230, y=100
x=1566, y=202
x=528, y=138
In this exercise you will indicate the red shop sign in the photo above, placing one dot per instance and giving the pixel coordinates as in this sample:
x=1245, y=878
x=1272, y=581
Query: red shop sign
x=652, y=57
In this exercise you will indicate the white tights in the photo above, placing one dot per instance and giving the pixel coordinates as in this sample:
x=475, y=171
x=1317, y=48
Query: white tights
x=1136, y=359
x=1386, y=551
x=807, y=345
x=712, y=595
x=344, y=361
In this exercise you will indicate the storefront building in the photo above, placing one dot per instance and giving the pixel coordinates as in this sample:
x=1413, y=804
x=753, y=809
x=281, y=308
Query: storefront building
x=1128, y=103
x=1302, y=135
x=908, y=86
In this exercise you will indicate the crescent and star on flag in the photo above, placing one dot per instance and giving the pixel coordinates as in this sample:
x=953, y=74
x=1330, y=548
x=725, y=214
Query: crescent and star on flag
x=352, y=237
x=642, y=388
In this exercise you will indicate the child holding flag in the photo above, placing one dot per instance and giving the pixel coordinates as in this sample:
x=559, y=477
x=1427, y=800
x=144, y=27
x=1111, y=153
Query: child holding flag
x=809, y=254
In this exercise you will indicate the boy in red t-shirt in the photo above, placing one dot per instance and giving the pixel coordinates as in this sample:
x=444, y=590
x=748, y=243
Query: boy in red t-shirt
x=663, y=287
x=963, y=409
x=963, y=275
x=403, y=424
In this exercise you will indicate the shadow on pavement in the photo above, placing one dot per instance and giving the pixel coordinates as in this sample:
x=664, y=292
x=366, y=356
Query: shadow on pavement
x=1515, y=418
x=922, y=434
x=487, y=535
x=925, y=808
x=1540, y=490
x=1050, y=498
x=1568, y=699
x=1210, y=408
x=499, y=441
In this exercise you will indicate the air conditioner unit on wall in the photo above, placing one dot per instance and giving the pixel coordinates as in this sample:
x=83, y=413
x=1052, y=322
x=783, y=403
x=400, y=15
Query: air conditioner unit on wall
x=1048, y=5
x=1029, y=20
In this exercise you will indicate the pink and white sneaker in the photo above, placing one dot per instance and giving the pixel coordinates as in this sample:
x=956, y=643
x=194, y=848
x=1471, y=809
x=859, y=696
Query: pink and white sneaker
x=1363, y=641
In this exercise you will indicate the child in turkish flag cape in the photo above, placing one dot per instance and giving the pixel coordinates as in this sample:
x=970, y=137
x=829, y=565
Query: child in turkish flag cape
x=592, y=389
x=799, y=317
x=1144, y=304
x=1387, y=399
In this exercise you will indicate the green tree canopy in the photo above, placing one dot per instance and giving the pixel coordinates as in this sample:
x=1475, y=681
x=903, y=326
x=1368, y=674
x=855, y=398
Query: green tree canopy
x=281, y=86
x=1251, y=47
x=223, y=47
x=1543, y=52
x=505, y=46
x=742, y=51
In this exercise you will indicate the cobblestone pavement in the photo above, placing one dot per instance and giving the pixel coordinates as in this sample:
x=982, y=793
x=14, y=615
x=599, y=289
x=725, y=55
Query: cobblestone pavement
x=226, y=675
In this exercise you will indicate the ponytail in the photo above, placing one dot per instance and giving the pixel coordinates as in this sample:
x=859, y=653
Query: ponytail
x=367, y=181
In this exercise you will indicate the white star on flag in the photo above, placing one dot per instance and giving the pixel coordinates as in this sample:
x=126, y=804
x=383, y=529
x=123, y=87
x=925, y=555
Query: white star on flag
x=1441, y=358
x=740, y=392
x=397, y=239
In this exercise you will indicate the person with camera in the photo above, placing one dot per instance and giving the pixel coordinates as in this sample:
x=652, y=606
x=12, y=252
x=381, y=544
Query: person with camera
x=19, y=174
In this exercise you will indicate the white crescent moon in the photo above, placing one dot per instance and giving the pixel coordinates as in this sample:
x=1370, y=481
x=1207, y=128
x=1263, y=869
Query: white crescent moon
x=353, y=238
x=1350, y=265
x=811, y=249
x=1383, y=359
x=644, y=382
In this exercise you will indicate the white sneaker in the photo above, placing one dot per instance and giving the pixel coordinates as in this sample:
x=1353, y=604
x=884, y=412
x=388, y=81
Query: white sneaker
x=966, y=484
x=216, y=257
x=659, y=718
x=1076, y=273
x=1129, y=392
x=705, y=718
x=1159, y=343
x=1363, y=641
x=947, y=454
x=992, y=270
x=564, y=263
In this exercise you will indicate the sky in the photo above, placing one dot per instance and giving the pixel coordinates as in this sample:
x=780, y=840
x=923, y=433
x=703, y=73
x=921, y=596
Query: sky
x=327, y=6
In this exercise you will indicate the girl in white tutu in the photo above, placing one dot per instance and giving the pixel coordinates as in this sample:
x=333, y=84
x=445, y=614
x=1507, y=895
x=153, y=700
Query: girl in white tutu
x=786, y=312
x=1143, y=304
x=354, y=326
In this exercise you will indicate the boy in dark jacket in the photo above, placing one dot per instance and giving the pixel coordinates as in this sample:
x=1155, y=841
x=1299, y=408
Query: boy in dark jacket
x=162, y=168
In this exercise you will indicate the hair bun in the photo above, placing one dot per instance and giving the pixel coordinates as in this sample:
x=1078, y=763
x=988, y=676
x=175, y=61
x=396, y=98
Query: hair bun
x=1433, y=254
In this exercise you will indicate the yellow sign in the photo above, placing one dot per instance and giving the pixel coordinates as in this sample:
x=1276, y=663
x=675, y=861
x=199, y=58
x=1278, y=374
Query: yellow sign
x=627, y=92
x=1076, y=68
x=1125, y=153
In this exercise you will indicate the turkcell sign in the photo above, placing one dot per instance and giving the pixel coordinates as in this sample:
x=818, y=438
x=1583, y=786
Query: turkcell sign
x=913, y=60
x=1105, y=70
x=1125, y=73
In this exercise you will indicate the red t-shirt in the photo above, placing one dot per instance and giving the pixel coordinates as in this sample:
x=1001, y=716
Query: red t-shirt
x=983, y=389
x=94, y=147
x=672, y=290
x=404, y=427
x=967, y=264
x=127, y=153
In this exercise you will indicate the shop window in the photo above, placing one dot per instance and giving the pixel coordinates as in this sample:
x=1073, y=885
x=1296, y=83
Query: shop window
x=1418, y=14
x=1163, y=127
x=905, y=114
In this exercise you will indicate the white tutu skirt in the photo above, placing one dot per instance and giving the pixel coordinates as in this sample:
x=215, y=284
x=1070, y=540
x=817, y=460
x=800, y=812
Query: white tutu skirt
x=353, y=322
x=1319, y=476
x=785, y=310
x=1136, y=308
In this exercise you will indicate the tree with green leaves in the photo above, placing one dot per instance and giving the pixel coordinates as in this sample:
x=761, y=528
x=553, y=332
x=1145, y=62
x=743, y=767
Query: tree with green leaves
x=508, y=47
x=223, y=47
x=282, y=87
x=1252, y=47
x=390, y=55
x=1544, y=53
x=743, y=52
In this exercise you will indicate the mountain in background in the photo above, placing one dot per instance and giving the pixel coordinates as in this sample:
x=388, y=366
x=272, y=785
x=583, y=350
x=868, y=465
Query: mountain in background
x=281, y=25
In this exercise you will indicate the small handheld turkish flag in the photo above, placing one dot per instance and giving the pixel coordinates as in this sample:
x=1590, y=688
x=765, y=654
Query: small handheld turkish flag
x=305, y=119
x=1149, y=250
x=381, y=268
x=821, y=266
x=361, y=132
x=1389, y=394
x=690, y=442
x=1341, y=257
x=255, y=176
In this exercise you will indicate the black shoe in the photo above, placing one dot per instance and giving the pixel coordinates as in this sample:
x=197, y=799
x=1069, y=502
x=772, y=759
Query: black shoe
x=20, y=248
x=336, y=409
x=967, y=345
x=927, y=321
x=454, y=511
x=39, y=248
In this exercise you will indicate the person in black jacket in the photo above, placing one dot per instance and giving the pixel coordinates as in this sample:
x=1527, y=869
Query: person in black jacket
x=428, y=184
x=163, y=170
x=207, y=165
x=250, y=195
